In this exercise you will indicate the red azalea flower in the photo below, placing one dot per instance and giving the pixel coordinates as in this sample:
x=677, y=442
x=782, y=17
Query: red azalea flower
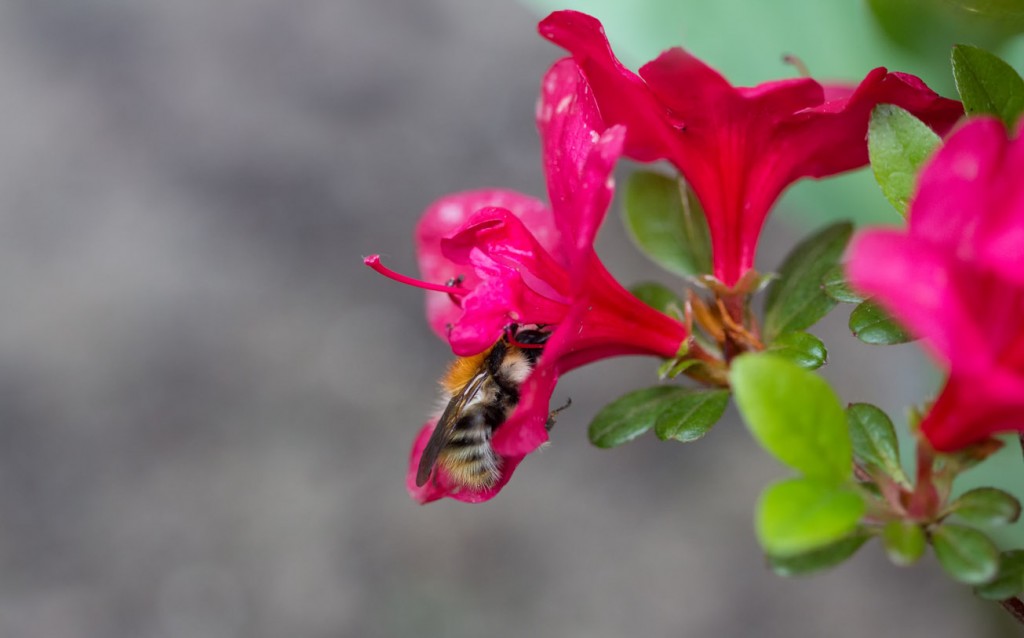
x=956, y=278
x=518, y=262
x=738, y=147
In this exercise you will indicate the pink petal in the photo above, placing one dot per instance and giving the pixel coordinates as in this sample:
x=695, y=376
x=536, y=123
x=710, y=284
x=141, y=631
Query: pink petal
x=449, y=213
x=518, y=281
x=970, y=410
x=951, y=198
x=914, y=282
x=439, y=486
x=579, y=155
x=687, y=86
x=830, y=138
x=969, y=199
x=622, y=96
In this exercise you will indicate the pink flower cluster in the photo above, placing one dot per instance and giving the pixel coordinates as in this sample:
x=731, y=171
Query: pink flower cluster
x=521, y=262
x=495, y=259
x=738, y=147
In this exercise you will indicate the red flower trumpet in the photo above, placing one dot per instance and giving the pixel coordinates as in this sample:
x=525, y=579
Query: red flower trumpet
x=520, y=294
x=738, y=147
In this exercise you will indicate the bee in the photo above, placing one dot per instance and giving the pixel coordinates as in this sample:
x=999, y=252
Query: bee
x=482, y=392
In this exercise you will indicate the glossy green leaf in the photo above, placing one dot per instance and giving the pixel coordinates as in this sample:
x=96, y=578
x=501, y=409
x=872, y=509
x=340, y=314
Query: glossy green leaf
x=1009, y=581
x=966, y=554
x=690, y=416
x=631, y=415
x=874, y=440
x=872, y=325
x=796, y=301
x=667, y=223
x=987, y=84
x=659, y=297
x=986, y=506
x=802, y=348
x=898, y=145
x=793, y=414
x=804, y=514
x=835, y=285
x=1000, y=9
x=818, y=559
x=904, y=542
x=930, y=25
x=1001, y=16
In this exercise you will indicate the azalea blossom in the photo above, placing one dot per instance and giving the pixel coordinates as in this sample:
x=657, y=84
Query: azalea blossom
x=956, y=278
x=738, y=147
x=496, y=258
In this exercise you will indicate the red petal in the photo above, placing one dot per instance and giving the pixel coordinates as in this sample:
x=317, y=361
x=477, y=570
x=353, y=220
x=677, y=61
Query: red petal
x=444, y=217
x=623, y=98
x=439, y=486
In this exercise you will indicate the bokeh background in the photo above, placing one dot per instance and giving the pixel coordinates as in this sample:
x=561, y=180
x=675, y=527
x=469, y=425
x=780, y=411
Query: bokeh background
x=207, y=401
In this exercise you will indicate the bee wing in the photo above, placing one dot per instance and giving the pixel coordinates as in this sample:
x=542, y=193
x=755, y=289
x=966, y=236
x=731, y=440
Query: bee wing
x=445, y=424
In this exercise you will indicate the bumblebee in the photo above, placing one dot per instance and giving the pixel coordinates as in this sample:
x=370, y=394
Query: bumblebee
x=482, y=392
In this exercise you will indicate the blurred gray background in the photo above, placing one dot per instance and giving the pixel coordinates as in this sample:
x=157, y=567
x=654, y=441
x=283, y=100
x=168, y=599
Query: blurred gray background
x=207, y=401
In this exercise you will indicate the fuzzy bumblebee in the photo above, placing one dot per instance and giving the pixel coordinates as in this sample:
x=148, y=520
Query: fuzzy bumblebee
x=482, y=391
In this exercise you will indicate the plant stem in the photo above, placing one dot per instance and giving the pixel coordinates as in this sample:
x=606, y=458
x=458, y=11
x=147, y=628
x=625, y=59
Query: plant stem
x=1015, y=607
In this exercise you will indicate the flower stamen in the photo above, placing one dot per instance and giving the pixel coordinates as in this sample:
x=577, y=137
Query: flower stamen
x=451, y=288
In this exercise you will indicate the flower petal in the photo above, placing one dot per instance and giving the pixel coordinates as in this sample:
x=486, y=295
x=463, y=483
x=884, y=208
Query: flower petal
x=518, y=280
x=439, y=486
x=830, y=138
x=579, y=155
x=913, y=281
x=622, y=96
x=970, y=409
x=971, y=202
x=447, y=215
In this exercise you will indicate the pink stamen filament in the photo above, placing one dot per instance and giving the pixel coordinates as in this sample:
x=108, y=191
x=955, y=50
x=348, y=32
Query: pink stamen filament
x=373, y=261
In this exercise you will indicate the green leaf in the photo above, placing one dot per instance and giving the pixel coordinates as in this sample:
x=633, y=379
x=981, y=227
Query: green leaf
x=803, y=514
x=795, y=301
x=1009, y=582
x=631, y=415
x=794, y=414
x=986, y=506
x=874, y=439
x=898, y=145
x=987, y=85
x=835, y=285
x=802, y=348
x=872, y=325
x=667, y=223
x=658, y=297
x=904, y=542
x=690, y=416
x=818, y=559
x=966, y=554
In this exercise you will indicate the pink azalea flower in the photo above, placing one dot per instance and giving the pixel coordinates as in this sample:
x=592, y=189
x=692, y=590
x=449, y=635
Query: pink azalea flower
x=739, y=148
x=956, y=278
x=519, y=262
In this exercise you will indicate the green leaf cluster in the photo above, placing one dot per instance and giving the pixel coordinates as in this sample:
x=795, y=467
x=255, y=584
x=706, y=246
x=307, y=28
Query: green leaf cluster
x=868, y=322
x=674, y=412
x=795, y=300
x=796, y=417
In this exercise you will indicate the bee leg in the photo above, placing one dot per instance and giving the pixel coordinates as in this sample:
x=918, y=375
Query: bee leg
x=551, y=415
